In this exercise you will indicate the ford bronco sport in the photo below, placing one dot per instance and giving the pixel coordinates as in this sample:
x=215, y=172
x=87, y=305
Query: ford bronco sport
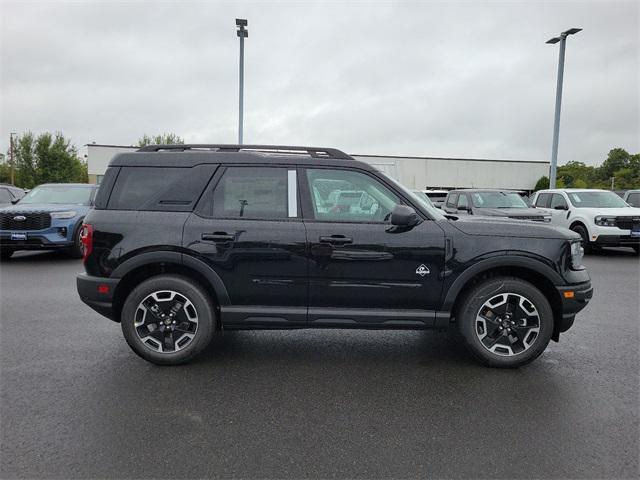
x=189, y=240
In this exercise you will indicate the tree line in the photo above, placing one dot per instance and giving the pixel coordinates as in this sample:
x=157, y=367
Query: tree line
x=620, y=170
x=52, y=158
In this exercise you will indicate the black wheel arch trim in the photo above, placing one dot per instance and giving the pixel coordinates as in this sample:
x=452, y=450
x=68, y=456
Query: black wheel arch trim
x=177, y=258
x=507, y=260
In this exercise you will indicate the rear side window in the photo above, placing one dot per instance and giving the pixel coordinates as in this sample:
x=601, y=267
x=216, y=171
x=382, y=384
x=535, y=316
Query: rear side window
x=158, y=188
x=543, y=200
x=250, y=192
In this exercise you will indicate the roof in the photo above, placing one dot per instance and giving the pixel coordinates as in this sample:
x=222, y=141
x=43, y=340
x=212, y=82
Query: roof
x=546, y=162
x=509, y=190
x=557, y=190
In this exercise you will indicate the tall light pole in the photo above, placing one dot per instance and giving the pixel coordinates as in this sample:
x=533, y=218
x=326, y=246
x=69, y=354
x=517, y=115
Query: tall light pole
x=556, y=124
x=13, y=161
x=243, y=33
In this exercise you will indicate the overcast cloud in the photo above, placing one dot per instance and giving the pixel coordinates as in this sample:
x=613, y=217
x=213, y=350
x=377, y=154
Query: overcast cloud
x=403, y=78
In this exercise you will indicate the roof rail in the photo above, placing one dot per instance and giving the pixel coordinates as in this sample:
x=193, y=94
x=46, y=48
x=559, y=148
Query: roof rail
x=315, y=152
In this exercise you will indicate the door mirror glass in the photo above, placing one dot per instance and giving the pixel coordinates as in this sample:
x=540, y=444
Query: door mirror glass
x=404, y=216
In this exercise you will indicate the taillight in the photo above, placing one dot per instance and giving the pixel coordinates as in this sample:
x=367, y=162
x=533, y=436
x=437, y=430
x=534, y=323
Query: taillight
x=86, y=239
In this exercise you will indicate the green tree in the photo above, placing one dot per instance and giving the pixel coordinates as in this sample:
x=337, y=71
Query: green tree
x=617, y=159
x=164, y=139
x=542, y=183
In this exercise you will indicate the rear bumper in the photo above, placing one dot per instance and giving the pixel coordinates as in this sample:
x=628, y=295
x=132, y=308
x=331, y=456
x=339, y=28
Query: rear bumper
x=574, y=299
x=617, y=241
x=97, y=292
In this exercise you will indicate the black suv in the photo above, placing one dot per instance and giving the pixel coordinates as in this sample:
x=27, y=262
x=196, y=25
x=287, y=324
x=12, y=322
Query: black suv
x=189, y=240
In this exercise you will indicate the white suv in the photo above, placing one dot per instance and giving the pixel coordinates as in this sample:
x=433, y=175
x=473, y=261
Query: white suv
x=601, y=217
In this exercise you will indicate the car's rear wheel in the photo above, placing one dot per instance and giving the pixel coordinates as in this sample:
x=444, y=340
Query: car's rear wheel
x=168, y=319
x=506, y=322
x=5, y=253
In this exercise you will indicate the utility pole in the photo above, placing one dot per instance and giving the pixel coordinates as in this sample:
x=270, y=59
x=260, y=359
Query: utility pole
x=13, y=162
x=242, y=33
x=556, y=123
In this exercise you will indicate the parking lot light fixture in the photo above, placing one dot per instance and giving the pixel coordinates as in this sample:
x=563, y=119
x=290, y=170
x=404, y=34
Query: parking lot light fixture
x=242, y=33
x=562, y=39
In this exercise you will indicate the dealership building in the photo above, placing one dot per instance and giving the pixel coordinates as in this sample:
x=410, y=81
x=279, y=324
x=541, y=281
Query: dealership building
x=413, y=172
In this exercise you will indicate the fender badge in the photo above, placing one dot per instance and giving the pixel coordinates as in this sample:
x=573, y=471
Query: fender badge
x=422, y=270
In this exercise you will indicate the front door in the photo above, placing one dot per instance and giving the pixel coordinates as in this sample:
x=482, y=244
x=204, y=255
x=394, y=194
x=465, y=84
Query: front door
x=362, y=270
x=249, y=230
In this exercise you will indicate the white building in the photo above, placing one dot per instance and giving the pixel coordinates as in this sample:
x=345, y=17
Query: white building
x=413, y=172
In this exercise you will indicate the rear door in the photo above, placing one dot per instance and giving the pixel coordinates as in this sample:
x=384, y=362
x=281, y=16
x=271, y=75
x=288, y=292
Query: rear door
x=362, y=270
x=248, y=228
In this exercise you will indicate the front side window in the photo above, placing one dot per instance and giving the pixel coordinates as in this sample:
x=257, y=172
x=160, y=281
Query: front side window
x=634, y=199
x=596, y=200
x=349, y=196
x=452, y=199
x=558, y=201
x=254, y=193
x=59, y=194
x=5, y=196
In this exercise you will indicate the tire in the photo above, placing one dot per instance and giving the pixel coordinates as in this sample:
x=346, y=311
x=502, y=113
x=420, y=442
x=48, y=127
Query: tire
x=189, y=338
x=530, y=342
x=586, y=244
x=5, y=253
x=75, y=251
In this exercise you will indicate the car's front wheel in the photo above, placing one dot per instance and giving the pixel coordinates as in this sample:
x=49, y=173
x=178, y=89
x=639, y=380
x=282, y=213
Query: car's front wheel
x=505, y=321
x=168, y=319
x=76, y=249
x=584, y=235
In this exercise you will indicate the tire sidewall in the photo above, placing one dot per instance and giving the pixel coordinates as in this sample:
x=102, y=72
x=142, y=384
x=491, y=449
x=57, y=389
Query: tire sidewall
x=488, y=289
x=586, y=244
x=194, y=293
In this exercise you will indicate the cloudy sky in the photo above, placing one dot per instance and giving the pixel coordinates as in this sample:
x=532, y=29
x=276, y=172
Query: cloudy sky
x=455, y=79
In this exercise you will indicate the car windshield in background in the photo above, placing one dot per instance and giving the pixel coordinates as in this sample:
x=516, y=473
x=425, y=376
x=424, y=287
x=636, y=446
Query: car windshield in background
x=61, y=195
x=596, y=200
x=497, y=200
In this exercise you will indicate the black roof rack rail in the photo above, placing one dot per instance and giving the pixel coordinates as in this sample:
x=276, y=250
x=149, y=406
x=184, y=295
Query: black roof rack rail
x=315, y=152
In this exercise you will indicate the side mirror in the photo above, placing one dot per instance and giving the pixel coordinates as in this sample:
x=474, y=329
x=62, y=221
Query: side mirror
x=404, y=216
x=15, y=200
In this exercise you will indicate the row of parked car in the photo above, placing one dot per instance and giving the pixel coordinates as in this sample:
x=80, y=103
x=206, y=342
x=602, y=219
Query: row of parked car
x=601, y=217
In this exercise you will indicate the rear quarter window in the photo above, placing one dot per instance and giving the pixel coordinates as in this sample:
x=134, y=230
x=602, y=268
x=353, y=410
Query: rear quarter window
x=173, y=189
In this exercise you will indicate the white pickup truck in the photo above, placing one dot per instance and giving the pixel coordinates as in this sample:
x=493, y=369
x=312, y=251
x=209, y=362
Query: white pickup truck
x=601, y=217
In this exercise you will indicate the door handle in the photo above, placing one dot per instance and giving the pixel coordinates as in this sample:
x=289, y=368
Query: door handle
x=336, y=240
x=218, y=237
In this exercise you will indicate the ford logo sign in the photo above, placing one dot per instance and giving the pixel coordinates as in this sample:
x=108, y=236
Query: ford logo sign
x=19, y=218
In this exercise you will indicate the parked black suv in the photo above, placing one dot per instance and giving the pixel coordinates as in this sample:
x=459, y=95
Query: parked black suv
x=188, y=240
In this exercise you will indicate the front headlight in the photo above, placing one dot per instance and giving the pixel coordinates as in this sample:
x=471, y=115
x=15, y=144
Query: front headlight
x=605, y=221
x=63, y=215
x=577, y=252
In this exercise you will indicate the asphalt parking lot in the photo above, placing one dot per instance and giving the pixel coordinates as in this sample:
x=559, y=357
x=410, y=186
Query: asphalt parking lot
x=77, y=403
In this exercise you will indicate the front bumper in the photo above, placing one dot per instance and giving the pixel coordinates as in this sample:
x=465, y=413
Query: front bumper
x=59, y=235
x=617, y=241
x=98, y=292
x=574, y=299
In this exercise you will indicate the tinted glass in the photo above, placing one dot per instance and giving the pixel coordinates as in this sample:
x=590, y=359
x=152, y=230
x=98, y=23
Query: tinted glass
x=596, y=200
x=634, y=199
x=497, y=200
x=452, y=199
x=248, y=192
x=462, y=201
x=349, y=196
x=558, y=200
x=543, y=200
x=155, y=188
x=59, y=194
x=5, y=196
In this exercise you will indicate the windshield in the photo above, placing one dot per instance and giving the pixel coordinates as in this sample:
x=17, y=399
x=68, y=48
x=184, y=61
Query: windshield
x=596, y=200
x=59, y=194
x=497, y=200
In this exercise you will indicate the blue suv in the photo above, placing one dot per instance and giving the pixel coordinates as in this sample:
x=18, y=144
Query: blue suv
x=48, y=217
